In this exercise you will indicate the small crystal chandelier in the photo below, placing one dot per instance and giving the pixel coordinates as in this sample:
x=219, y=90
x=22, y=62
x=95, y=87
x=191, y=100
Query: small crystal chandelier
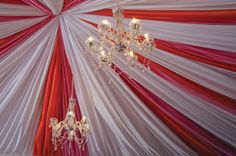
x=116, y=41
x=69, y=129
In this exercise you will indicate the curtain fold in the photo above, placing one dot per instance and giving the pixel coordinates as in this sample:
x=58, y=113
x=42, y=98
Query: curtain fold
x=38, y=5
x=197, y=138
x=219, y=37
x=22, y=76
x=7, y=9
x=12, y=27
x=184, y=105
x=57, y=92
x=218, y=58
x=120, y=123
x=214, y=98
x=15, y=39
x=196, y=16
x=68, y=4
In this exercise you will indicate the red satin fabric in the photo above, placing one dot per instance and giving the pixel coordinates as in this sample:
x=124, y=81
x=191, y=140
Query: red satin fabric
x=13, y=2
x=186, y=16
x=68, y=4
x=55, y=103
x=38, y=5
x=11, y=41
x=203, y=142
x=221, y=59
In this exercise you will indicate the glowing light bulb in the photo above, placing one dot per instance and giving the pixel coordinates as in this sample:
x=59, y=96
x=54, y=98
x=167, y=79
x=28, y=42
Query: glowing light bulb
x=146, y=36
x=131, y=53
x=105, y=22
x=83, y=120
x=90, y=38
x=103, y=53
x=134, y=20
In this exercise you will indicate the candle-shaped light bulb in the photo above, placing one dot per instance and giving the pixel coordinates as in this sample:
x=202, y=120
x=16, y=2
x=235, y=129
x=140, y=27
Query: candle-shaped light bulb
x=134, y=20
x=90, y=42
x=135, y=27
x=90, y=39
x=105, y=22
x=83, y=120
x=146, y=36
x=131, y=53
x=103, y=53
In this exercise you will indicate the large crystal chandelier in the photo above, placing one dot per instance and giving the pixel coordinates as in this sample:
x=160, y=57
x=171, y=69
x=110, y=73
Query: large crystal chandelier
x=69, y=129
x=116, y=42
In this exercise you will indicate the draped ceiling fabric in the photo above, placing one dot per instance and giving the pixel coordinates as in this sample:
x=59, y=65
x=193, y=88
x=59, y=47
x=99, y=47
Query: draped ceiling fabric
x=185, y=104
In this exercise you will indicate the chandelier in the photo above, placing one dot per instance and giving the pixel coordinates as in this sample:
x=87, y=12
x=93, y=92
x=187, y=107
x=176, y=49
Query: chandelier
x=116, y=42
x=69, y=129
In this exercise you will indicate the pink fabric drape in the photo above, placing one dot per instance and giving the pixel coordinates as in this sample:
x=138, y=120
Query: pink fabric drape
x=13, y=2
x=193, y=88
x=68, y=4
x=186, y=16
x=195, y=136
x=221, y=59
x=38, y=5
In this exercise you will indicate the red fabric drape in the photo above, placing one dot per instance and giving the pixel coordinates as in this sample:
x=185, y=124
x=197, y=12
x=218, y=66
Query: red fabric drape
x=38, y=5
x=221, y=59
x=13, y=2
x=11, y=41
x=68, y=4
x=193, y=88
x=186, y=16
x=195, y=136
x=55, y=103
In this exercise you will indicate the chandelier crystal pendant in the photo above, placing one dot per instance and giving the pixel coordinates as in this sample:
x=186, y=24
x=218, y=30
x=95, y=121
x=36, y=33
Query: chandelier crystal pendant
x=69, y=129
x=116, y=42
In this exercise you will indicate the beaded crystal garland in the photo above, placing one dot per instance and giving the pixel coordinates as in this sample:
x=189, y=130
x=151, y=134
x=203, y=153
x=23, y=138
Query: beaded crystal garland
x=116, y=42
x=69, y=129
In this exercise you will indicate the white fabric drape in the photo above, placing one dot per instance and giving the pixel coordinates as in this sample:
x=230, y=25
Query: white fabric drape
x=93, y=5
x=11, y=27
x=54, y=5
x=117, y=117
x=221, y=37
x=200, y=111
x=19, y=10
x=22, y=75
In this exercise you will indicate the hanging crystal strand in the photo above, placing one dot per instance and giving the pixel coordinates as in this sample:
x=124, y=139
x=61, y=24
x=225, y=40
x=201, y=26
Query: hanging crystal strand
x=72, y=82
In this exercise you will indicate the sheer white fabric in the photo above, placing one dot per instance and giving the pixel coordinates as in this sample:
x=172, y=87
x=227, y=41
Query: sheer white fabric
x=19, y=10
x=120, y=122
x=11, y=27
x=221, y=37
x=54, y=5
x=93, y=5
x=200, y=111
x=22, y=76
